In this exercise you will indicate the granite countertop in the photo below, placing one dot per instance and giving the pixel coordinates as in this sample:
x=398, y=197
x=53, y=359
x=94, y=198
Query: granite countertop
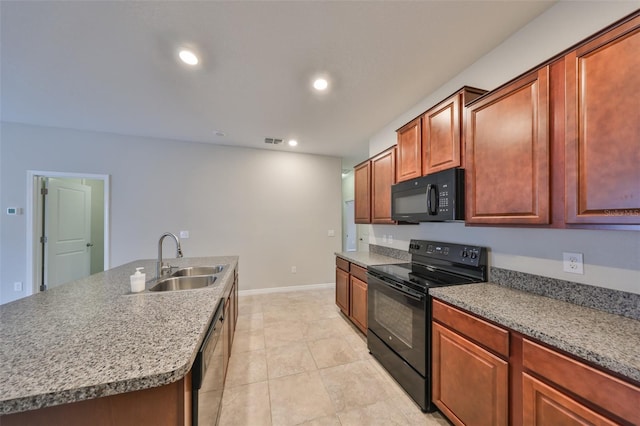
x=607, y=340
x=92, y=337
x=365, y=258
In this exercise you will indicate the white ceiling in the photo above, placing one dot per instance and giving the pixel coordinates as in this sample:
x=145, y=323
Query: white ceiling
x=111, y=66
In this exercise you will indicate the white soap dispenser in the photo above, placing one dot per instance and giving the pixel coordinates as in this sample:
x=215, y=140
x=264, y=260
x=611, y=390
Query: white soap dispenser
x=137, y=281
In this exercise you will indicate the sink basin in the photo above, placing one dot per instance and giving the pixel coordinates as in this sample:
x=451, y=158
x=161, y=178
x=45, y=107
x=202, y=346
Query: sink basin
x=184, y=283
x=198, y=270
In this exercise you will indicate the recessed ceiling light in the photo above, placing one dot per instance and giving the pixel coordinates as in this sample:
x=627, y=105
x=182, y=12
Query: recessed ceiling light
x=293, y=142
x=320, y=84
x=188, y=57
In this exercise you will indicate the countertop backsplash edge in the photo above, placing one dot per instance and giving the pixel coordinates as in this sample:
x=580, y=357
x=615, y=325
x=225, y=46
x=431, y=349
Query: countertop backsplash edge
x=604, y=299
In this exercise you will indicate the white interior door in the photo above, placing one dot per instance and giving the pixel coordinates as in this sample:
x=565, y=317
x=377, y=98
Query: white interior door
x=68, y=231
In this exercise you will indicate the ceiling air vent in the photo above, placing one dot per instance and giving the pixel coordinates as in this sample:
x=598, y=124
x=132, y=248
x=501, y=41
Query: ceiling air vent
x=273, y=141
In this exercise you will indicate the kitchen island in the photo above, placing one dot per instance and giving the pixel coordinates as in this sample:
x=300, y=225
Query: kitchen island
x=93, y=338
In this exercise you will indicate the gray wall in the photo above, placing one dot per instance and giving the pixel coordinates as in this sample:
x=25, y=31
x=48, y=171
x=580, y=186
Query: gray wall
x=271, y=208
x=612, y=258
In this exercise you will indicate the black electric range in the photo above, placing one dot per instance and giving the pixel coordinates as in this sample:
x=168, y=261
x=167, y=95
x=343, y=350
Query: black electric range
x=399, y=308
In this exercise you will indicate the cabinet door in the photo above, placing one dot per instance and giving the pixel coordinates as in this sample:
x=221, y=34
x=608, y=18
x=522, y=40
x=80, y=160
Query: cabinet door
x=470, y=384
x=583, y=382
x=342, y=290
x=441, y=136
x=362, y=189
x=359, y=303
x=226, y=335
x=507, y=179
x=233, y=314
x=543, y=405
x=602, y=151
x=442, y=132
x=383, y=173
x=409, y=161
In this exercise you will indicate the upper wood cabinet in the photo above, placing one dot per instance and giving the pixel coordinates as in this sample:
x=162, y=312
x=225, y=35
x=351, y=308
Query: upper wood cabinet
x=409, y=161
x=507, y=164
x=362, y=189
x=434, y=141
x=602, y=150
x=383, y=174
x=442, y=132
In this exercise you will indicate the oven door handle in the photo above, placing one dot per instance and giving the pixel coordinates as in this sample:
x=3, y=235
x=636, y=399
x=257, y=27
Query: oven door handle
x=405, y=291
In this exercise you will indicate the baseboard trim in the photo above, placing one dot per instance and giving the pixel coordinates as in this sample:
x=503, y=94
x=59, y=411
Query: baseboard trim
x=286, y=289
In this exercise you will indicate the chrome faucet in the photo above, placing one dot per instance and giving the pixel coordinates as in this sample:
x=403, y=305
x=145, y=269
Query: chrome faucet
x=160, y=267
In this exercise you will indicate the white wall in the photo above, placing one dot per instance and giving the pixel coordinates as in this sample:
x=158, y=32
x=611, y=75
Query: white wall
x=612, y=258
x=271, y=208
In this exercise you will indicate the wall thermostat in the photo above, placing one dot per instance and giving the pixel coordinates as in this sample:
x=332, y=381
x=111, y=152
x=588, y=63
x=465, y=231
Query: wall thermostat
x=14, y=210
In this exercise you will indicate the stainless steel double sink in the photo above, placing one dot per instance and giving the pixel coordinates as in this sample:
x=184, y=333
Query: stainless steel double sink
x=190, y=278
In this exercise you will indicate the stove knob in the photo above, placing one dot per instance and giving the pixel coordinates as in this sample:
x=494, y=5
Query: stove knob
x=474, y=254
x=465, y=253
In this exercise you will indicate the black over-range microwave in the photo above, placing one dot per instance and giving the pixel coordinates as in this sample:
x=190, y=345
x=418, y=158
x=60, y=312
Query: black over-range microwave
x=431, y=198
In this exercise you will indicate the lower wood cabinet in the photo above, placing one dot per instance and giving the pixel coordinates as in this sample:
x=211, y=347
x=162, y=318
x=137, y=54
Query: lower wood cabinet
x=484, y=374
x=470, y=384
x=359, y=303
x=558, y=389
x=351, y=292
x=342, y=286
x=544, y=405
x=164, y=405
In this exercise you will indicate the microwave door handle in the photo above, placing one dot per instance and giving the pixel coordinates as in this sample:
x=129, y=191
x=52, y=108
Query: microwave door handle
x=432, y=190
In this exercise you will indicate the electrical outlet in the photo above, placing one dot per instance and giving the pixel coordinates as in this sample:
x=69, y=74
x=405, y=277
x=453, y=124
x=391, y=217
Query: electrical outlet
x=294, y=269
x=390, y=239
x=331, y=233
x=572, y=262
x=17, y=286
x=184, y=234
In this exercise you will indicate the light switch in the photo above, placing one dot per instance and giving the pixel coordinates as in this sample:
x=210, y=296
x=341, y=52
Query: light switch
x=331, y=233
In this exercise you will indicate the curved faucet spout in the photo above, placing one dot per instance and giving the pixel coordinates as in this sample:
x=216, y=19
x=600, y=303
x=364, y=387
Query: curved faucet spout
x=159, y=264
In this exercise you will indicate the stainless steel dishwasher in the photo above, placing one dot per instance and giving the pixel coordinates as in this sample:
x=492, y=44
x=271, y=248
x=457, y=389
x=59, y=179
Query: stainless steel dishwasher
x=208, y=373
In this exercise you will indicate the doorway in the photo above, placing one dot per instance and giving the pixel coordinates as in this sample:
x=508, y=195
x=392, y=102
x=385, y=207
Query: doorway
x=349, y=242
x=68, y=234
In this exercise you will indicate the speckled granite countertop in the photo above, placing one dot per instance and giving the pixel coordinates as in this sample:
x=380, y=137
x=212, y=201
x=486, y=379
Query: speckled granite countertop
x=365, y=258
x=92, y=338
x=608, y=340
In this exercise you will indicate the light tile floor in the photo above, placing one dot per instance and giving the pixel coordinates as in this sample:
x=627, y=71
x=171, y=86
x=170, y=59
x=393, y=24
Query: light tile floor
x=297, y=361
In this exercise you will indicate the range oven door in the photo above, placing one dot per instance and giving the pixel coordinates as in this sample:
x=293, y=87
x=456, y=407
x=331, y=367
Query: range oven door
x=398, y=317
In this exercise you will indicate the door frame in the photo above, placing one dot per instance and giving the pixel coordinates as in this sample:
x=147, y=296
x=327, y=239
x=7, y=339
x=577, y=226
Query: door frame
x=32, y=217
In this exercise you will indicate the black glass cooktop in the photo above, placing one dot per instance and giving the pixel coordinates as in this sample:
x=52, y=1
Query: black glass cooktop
x=422, y=275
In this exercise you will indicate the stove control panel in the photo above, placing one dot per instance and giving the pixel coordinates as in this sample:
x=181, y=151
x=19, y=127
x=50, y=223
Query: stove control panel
x=456, y=253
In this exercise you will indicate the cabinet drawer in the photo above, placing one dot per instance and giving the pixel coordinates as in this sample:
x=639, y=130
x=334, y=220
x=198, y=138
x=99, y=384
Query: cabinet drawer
x=610, y=393
x=342, y=264
x=359, y=272
x=488, y=335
